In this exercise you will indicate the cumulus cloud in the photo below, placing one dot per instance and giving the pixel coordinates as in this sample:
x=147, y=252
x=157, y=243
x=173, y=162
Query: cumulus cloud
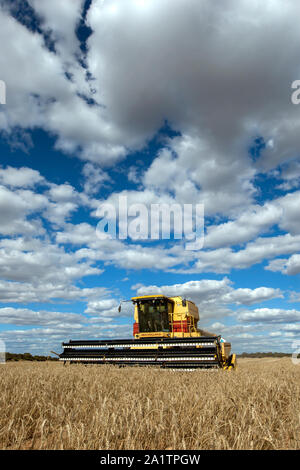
x=175, y=257
x=60, y=19
x=289, y=266
x=210, y=290
x=206, y=49
x=121, y=254
x=223, y=260
x=29, y=292
x=43, y=262
x=252, y=296
x=190, y=79
x=94, y=178
x=213, y=297
x=24, y=316
x=44, y=339
x=21, y=210
x=15, y=206
x=20, y=177
x=272, y=315
x=107, y=309
x=290, y=174
x=33, y=270
x=48, y=99
x=198, y=173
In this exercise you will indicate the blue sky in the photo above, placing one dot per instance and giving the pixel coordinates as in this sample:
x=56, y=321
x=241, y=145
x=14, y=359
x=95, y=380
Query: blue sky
x=162, y=103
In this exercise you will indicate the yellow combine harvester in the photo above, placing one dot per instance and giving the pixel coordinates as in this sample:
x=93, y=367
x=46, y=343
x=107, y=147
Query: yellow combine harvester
x=165, y=335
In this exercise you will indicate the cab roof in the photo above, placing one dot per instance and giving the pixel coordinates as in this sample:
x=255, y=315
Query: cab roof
x=151, y=297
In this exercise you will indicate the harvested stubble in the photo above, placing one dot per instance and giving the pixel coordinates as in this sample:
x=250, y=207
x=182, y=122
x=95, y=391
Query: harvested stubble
x=51, y=406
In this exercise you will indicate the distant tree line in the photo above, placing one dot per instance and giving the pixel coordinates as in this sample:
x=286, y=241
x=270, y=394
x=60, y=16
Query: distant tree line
x=264, y=354
x=28, y=357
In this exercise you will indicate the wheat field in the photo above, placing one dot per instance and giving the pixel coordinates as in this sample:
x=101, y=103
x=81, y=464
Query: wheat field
x=52, y=406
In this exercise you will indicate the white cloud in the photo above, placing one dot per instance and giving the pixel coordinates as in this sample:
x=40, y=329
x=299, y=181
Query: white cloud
x=220, y=260
x=210, y=290
x=29, y=292
x=24, y=316
x=15, y=206
x=252, y=296
x=20, y=177
x=42, y=96
x=44, y=339
x=223, y=260
x=198, y=173
x=203, y=290
x=289, y=266
x=43, y=262
x=218, y=95
x=272, y=315
x=290, y=173
x=107, y=309
x=257, y=219
x=121, y=254
x=94, y=177
x=294, y=296
x=21, y=212
x=62, y=193
x=60, y=20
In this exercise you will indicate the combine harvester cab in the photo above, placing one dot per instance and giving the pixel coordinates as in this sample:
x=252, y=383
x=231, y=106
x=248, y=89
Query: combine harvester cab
x=165, y=335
